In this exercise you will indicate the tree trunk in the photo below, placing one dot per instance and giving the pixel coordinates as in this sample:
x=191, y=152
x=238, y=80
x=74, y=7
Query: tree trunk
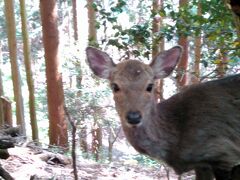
x=92, y=40
x=197, y=54
x=183, y=64
x=7, y=111
x=157, y=46
x=75, y=23
x=27, y=62
x=92, y=32
x=57, y=124
x=156, y=23
x=83, y=126
x=1, y=88
x=235, y=7
x=11, y=31
x=159, y=90
x=83, y=137
x=96, y=137
x=4, y=174
x=112, y=137
x=222, y=64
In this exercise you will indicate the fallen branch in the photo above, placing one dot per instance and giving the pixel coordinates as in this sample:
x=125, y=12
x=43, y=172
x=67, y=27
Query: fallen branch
x=4, y=174
x=6, y=142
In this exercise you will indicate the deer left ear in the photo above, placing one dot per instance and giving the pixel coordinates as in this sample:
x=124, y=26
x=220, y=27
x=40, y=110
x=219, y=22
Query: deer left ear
x=166, y=61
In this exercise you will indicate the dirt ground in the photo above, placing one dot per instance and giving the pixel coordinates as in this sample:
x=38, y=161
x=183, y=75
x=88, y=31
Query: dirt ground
x=27, y=163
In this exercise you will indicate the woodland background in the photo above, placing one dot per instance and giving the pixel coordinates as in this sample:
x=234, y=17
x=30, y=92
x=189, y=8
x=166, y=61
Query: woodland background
x=47, y=89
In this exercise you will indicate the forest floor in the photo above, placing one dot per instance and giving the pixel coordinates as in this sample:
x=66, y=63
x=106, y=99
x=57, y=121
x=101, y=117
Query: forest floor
x=27, y=163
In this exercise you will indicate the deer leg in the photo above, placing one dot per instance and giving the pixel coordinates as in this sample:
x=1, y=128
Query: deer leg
x=204, y=173
x=235, y=173
x=221, y=174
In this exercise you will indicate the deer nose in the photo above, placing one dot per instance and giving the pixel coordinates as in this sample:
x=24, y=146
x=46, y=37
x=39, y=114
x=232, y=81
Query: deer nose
x=134, y=117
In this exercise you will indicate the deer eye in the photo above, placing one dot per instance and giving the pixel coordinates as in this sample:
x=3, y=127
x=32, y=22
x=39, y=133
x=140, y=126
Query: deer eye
x=149, y=87
x=115, y=87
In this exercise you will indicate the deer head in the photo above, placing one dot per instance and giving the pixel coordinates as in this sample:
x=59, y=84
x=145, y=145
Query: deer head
x=132, y=82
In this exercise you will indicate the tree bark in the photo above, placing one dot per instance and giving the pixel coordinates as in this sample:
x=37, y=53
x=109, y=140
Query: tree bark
x=83, y=126
x=75, y=23
x=183, y=64
x=96, y=139
x=11, y=31
x=28, y=67
x=7, y=110
x=222, y=64
x=83, y=137
x=57, y=124
x=92, y=31
x=1, y=88
x=112, y=137
x=234, y=5
x=92, y=40
x=157, y=46
x=4, y=174
x=197, y=53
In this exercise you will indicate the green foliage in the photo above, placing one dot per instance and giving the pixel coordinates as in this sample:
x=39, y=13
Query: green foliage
x=215, y=26
x=86, y=93
x=3, y=30
x=144, y=160
x=134, y=41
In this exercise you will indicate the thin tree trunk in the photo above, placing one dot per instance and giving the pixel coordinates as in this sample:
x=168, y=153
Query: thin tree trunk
x=92, y=40
x=183, y=64
x=75, y=23
x=235, y=7
x=155, y=27
x=237, y=24
x=222, y=64
x=4, y=174
x=198, y=43
x=157, y=46
x=112, y=137
x=11, y=29
x=96, y=138
x=73, y=123
x=57, y=124
x=1, y=89
x=83, y=137
x=83, y=126
x=7, y=111
x=28, y=67
x=92, y=31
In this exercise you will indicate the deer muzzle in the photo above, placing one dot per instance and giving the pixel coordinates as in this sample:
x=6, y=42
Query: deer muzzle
x=134, y=117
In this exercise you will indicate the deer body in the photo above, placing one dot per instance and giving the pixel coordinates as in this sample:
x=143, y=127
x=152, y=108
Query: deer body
x=198, y=128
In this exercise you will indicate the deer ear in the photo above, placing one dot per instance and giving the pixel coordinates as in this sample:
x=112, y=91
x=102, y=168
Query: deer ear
x=99, y=62
x=165, y=62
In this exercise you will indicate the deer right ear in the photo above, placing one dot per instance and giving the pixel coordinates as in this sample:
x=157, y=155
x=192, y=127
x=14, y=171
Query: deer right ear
x=166, y=61
x=99, y=62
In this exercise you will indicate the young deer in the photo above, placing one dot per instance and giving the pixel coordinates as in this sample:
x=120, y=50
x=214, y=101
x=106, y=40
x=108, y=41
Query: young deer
x=198, y=128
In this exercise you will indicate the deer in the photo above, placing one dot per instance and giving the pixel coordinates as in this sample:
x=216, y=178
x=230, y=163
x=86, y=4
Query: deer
x=196, y=129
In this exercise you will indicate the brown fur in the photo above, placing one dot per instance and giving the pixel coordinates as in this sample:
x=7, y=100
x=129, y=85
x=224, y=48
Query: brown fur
x=198, y=128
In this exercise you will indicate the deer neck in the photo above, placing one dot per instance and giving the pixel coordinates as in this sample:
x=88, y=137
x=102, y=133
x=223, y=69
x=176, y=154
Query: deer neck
x=150, y=137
